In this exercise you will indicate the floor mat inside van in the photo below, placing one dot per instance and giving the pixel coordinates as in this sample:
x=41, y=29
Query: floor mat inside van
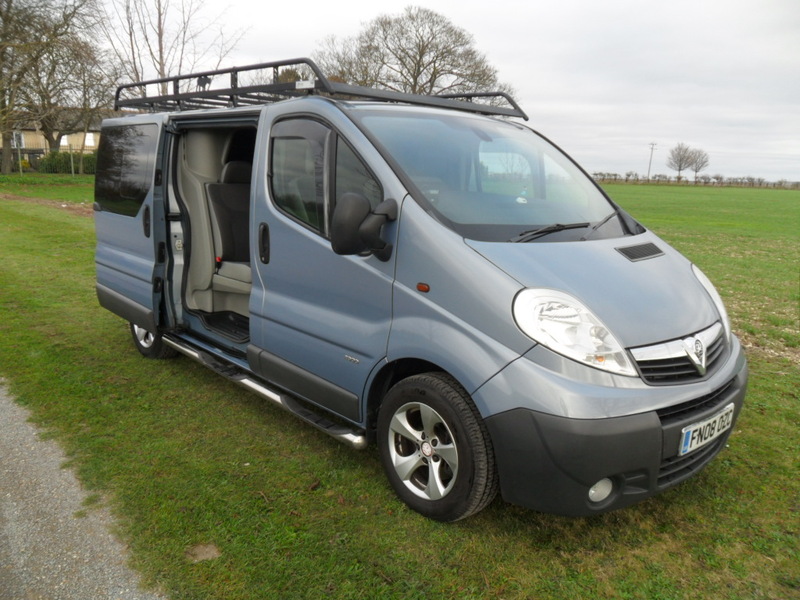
x=230, y=324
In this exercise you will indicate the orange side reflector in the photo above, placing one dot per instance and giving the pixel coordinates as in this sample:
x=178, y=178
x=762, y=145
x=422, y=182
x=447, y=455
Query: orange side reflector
x=423, y=287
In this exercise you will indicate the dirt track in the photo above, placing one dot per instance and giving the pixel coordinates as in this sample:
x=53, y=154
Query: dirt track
x=52, y=547
x=86, y=209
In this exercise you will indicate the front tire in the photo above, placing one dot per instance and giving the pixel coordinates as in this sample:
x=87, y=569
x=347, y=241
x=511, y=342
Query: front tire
x=150, y=345
x=435, y=448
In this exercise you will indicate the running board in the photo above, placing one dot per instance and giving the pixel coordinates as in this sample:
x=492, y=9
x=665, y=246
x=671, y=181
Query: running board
x=354, y=438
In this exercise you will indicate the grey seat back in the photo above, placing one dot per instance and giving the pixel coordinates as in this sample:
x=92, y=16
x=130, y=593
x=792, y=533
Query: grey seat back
x=230, y=212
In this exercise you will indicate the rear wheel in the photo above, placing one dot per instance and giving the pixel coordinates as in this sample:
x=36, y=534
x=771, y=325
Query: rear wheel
x=150, y=344
x=435, y=448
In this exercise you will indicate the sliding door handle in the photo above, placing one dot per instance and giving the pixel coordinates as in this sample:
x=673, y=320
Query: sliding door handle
x=263, y=243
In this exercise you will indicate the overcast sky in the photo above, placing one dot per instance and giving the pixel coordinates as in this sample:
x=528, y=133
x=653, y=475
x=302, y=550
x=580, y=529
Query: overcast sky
x=602, y=79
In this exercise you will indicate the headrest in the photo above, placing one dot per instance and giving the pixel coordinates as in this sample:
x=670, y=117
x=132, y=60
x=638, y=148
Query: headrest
x=236, y=171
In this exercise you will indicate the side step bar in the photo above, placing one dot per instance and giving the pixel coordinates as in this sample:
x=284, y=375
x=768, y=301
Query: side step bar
x=355, y=438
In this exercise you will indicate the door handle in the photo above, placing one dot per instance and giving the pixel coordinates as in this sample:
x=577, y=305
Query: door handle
x=146, y=221
x=263, y=243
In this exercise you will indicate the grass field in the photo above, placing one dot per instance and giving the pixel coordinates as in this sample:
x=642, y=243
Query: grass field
x=66, y=188
x=185, y=459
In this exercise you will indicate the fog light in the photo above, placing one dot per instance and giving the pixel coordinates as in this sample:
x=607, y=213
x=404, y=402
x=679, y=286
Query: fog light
x=601, y=490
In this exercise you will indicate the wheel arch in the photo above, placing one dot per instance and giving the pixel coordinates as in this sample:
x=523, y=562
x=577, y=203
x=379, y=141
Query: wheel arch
x=451, y=440
x=388, y=375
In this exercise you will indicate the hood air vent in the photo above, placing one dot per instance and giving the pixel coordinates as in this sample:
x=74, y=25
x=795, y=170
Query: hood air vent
x=640, y=252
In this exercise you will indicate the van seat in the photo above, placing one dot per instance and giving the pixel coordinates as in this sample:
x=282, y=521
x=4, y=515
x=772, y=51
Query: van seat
x=230, y=221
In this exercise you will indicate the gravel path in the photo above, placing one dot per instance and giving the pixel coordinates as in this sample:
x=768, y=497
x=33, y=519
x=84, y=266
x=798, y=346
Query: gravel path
x=46, y=552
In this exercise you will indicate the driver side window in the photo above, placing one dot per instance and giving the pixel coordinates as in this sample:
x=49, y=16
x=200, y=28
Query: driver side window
x=352, y=175
x=298, y=169
x=301, y=180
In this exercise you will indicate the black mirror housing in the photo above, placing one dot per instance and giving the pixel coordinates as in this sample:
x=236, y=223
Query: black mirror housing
x=355, y=228
x=350, y=212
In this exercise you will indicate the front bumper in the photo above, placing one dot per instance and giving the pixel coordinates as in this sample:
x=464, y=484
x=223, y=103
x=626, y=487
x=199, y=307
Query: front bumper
x=549, y=462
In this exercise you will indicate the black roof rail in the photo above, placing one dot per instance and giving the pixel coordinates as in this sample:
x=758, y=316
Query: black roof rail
x=196, y=91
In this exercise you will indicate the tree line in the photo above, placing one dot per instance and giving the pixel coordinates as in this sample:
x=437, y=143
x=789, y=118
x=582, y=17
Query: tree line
x=713, y=180
x=61, y=60
x=684, y=158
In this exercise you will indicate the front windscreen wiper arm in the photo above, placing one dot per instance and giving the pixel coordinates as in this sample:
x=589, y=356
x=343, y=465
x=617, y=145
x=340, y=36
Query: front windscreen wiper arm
x=532, y=234
x=598, y=225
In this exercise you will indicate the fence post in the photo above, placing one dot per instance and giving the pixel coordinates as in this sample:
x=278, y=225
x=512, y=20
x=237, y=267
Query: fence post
x=71, y=161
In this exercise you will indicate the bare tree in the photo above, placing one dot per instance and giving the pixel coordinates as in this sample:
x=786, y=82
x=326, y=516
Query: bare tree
x=699, y=161
x=50, y=93
x=98, y=75
x=153, y=39
x=68, y=89
x=418, y=52
x=680, y=158
x=28, y=28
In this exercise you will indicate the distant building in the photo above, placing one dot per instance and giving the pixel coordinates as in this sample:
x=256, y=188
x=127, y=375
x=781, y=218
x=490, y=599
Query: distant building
x=29, y=144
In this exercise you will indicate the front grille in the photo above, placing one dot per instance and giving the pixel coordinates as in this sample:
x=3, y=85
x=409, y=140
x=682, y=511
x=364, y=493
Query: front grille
x=670, y=362
x=678, y=468
x=679, y=369
x=697, y=406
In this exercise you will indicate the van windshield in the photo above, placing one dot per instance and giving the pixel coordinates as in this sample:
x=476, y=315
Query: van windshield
x=491, y=180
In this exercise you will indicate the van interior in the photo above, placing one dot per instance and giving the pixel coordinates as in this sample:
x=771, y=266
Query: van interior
x=213, y=168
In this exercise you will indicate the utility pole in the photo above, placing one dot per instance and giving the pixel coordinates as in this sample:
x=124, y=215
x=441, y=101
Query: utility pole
x=652, y=147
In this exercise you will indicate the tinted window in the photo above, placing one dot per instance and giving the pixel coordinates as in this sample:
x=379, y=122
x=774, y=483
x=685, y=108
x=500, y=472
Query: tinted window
x=125, y=162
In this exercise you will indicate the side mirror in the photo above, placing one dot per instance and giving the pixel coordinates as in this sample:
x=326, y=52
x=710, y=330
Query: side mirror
x=355, y=228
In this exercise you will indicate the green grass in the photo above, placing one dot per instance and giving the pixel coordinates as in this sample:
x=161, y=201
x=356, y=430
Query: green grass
x=75, y=189
x=184, y=458
x=746, y=240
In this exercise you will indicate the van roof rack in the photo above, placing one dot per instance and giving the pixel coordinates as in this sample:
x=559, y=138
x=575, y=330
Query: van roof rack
x=196, y=91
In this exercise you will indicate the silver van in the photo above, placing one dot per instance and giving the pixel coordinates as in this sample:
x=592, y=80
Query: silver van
x=421, y=272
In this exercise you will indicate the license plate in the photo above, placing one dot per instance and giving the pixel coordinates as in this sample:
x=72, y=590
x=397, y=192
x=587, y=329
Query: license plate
x=699, y=434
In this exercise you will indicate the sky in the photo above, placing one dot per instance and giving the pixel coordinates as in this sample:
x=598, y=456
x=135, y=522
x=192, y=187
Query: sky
x=603, y=79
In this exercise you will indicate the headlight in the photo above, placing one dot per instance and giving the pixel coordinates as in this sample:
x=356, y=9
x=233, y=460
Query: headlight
x=565, y=325
x=716, y=299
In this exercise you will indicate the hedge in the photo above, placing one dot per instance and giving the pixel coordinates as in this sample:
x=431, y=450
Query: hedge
x=59, y=162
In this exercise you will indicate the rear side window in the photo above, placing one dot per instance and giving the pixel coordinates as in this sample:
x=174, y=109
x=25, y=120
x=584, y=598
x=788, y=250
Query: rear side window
x=125, y=161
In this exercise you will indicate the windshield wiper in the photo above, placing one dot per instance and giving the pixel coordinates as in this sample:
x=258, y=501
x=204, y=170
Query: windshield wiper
x=598, y=225
x=532, y=234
